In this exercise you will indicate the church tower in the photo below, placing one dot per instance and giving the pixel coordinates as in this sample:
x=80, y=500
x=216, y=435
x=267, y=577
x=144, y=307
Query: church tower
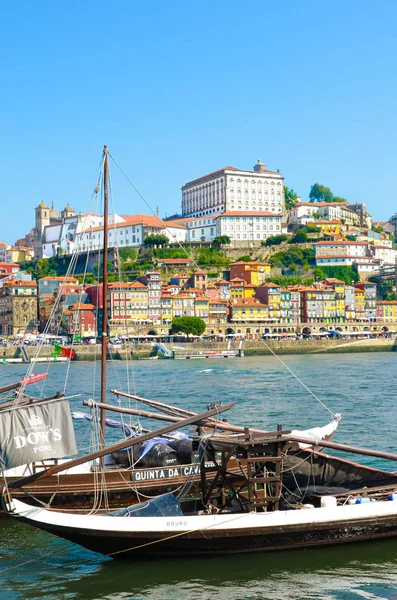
x=42, y=218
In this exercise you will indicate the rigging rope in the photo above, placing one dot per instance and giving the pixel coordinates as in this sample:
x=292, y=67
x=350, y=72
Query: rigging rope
x=195, y=263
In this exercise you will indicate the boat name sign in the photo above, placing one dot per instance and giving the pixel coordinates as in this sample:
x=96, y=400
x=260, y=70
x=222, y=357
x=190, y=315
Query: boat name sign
x=166, y=473
x=35, y=433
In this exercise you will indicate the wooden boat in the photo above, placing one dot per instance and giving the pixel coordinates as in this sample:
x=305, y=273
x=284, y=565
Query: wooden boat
x=256, y=517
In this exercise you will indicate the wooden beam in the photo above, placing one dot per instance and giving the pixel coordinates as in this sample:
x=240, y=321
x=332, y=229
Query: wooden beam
x=222, y=425
x=127, y=443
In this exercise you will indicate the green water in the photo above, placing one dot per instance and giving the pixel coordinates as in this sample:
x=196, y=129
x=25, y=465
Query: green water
x=362, y=387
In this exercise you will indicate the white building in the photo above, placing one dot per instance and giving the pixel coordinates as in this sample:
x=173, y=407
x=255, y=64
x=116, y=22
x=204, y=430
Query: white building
x=198, y=229
x=386, y=255
x=252, y=226
x=302, y=213
x=127, y=232
x=62, y=235
x=232, y=189
x=339, y=254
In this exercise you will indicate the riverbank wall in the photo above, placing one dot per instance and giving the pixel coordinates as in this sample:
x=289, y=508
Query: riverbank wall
x=250, y=348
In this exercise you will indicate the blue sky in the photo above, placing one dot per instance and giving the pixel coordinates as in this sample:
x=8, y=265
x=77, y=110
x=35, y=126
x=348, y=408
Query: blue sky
x=178, y=89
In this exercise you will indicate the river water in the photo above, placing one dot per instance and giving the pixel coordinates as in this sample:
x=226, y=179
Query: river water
x=360, y=386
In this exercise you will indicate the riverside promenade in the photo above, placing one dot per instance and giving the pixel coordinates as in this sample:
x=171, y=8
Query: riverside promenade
x=250, y=347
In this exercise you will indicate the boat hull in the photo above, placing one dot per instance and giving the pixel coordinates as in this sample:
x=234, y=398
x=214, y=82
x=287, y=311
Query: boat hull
x=233, y=534
x=78, y=492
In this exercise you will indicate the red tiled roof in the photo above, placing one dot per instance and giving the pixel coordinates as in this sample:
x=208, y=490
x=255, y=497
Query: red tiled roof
x=189, y=219
x=340, y=256
x=81, y=306
x=126, y=285
x=174, y=261
x=65, y=279
x=252, y=262
x=344, y=243
x=246, y=302
x=17, y=282
x=333, y=280
x=147, y=220
x=324, y=221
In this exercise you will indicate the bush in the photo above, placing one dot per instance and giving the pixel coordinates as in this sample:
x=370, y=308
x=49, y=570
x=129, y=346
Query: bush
x=128, y=254
x=293, y=256
x=220, y=240
x=299, y=238
x=156, y=240
x=275, y=240
x=347, y=274
x=245, y=258
x=212, y=257
x=170, y=253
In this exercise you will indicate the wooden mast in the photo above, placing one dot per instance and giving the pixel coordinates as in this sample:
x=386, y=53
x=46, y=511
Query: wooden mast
x=104, y=289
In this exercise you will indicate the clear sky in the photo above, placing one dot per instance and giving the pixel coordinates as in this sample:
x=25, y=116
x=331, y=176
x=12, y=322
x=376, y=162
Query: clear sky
x=178, y=89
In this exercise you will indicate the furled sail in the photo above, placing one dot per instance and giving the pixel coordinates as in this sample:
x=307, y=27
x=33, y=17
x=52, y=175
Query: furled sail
x=36, y=432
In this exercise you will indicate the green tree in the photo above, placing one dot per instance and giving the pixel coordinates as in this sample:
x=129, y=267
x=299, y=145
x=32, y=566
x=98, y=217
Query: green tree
x=188, y=325
x=156, y=240
x=245, y=258
x=220, y=240
x=291, y=198
x=128, y=254
x=275, y=240
x=308, y=256
x=319, y=274
x=320, y=193
x=299, y=238
x=385, y=288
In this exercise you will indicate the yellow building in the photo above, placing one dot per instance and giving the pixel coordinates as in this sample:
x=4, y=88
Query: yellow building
x=329, y=227
x=248, y=310
x=339, y=299
x=386, y=311
x=254, y=273
x=237, y=287
x=166, y=309
x=359, y=303
x=270, y=294
x=201, y=308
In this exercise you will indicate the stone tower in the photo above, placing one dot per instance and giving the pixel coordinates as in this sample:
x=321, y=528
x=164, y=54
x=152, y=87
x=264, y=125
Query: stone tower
x=68, y=211
x=42, y=218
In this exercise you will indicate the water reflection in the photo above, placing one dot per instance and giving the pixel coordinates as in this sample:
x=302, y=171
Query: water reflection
x=367, y=570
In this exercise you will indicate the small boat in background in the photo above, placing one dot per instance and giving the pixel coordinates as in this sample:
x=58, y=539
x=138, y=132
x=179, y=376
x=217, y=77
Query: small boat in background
x=33, y=378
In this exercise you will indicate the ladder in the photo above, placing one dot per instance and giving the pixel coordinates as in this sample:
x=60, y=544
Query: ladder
x=264, y=483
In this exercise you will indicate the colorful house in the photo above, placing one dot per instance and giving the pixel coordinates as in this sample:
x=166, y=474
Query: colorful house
x=254, y=273
x=386, y=311
x=248, y=310
x=270, y=294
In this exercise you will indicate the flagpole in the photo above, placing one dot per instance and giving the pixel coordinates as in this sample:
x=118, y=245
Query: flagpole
x=104, y=289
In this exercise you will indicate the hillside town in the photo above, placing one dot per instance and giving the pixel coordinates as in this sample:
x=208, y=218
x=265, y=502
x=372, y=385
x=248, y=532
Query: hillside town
x=235, y=213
